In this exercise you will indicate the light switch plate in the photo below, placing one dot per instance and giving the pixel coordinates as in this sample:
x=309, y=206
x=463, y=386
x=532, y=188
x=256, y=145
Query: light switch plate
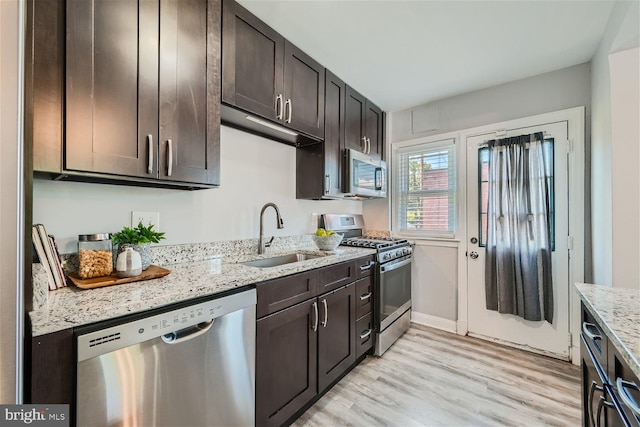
x=147, y=218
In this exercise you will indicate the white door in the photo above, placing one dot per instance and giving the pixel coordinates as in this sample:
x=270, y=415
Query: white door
x=538, y=336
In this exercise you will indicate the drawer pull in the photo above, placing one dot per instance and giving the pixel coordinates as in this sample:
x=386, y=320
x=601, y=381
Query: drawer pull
x=622, y=385
x=365, y=296
x=365, y=334
x=593, y=336
x=367, y=266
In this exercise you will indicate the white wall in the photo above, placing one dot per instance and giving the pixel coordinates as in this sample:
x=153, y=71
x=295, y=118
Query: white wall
x=254, y=171
x=558, y=90
x=622, y=33
x=9, y=199
x=625, y=141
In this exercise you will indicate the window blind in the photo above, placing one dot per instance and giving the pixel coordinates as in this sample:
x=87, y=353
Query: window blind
x=425, y=180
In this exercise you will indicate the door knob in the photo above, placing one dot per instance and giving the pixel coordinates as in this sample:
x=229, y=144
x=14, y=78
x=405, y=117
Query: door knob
x=473, y=255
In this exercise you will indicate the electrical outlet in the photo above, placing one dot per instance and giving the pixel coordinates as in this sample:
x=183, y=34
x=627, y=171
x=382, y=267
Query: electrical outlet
x=146, y=218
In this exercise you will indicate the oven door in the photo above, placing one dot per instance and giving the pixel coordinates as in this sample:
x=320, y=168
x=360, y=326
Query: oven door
x=394, y=291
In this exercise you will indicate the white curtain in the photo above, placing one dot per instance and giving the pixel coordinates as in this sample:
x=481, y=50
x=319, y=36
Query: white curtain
x=518, y=277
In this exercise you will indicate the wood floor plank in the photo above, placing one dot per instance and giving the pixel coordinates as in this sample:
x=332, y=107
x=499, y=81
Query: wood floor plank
x=434, y=378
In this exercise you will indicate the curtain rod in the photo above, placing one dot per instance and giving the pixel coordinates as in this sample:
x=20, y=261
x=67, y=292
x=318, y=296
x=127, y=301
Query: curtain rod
x=502, y=133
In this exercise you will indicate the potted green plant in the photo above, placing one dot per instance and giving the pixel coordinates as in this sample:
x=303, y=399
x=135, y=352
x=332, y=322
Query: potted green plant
x=138, y=238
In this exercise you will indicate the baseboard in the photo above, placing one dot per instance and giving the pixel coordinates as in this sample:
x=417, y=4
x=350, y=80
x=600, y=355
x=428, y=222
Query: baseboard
x=575, y=355
x=434, y=322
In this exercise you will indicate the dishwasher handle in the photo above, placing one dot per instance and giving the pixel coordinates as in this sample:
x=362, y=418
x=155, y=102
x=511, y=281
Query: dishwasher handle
x=186, y=334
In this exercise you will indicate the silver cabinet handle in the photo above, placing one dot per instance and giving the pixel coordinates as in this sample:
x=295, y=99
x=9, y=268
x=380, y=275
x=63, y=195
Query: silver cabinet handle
x=365, y=296
x=279, y=107
x=365, y=334
x=170, y=157
x=622, y=385
x=603, y=402
x=326, y=314
x=368, y=145
x=327, y=183
x=364, y=144
x=592, y=389
x=588, y=333
x=150, y=163
x=367, y=266
x=315, y=313
x=288, y=117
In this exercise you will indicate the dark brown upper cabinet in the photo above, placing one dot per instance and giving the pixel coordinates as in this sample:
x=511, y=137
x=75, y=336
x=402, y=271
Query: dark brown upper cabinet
x=319, y=171
x=364, y=124
x=267, y=76
x=141, y=95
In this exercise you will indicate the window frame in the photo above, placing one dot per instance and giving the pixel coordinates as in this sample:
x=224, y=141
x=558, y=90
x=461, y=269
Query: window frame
x=431, y=144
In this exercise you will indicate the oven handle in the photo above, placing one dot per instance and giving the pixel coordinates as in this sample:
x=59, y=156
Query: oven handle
x=394, y=266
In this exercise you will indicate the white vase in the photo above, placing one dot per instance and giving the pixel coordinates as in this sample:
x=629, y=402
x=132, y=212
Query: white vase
x=129, y=263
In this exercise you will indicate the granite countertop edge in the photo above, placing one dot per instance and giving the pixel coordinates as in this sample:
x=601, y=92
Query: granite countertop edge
x=72, y=307
x=618, y=312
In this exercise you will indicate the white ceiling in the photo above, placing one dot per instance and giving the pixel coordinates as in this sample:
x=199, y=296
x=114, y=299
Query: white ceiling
x=406, y=53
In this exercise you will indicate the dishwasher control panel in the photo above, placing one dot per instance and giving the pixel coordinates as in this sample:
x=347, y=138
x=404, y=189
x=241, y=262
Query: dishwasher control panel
x=129, y=333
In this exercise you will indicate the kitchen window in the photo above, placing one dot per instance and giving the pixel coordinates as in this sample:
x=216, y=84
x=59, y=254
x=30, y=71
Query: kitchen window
x=424, y=200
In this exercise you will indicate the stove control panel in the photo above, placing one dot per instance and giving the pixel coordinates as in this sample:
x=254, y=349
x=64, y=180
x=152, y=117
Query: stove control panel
x=391, y=254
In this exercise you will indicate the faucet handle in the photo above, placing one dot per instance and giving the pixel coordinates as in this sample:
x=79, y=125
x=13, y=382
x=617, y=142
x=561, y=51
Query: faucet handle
x=268, y=244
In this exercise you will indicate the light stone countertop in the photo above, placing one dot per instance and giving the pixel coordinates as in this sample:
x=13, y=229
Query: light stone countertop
x=70, y=307
x=617, y=310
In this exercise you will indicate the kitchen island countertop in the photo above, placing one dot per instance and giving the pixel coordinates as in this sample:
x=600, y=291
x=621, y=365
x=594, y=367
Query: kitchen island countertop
x=70, y=307
x=617, y=310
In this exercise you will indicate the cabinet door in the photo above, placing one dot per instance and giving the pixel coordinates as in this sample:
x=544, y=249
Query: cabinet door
x=286, y=363
x=355, y=109
x=112, y=87
x=252, y=62
x=373, y=130
x=592, y=385
x=190, y=90
x=334, y=127
x=303, y=92
x=336, y=335
x=628, y=394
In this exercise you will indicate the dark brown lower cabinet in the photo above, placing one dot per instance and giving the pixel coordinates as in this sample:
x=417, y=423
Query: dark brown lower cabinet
x=301, y=351
x=336, y=335
x=286, y=362
x=610, y=390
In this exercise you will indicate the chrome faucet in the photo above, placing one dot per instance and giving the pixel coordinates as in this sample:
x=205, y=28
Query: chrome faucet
x=261, y=244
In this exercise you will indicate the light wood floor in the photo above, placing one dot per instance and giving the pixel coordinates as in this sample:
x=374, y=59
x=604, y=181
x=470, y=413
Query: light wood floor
x=430, y=378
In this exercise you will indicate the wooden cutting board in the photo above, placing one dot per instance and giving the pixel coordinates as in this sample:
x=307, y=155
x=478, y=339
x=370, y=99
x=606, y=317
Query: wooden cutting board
x=153, y=272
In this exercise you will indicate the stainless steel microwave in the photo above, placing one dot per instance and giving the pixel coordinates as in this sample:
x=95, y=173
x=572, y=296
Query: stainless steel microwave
x=366, y=177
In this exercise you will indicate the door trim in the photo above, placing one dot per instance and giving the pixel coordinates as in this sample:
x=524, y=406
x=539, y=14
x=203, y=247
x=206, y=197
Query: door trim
x=575, y=118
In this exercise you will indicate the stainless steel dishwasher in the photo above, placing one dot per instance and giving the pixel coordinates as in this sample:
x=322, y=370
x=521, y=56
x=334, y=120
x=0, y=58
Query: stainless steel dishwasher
x=190, y=366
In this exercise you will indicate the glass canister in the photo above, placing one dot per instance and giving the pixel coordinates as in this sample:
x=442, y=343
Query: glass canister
x=95, y=255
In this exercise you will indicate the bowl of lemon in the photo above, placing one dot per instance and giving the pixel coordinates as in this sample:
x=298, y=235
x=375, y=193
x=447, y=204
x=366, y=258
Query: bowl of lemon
x=327, y=240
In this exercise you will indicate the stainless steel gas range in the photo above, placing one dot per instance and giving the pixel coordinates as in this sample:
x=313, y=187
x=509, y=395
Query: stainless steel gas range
x=392, y=300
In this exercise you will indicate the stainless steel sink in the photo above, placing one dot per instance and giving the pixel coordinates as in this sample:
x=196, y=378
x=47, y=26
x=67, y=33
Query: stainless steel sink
x=280, y=260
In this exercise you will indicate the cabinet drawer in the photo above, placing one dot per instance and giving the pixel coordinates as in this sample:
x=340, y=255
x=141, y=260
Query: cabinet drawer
x=594, y=337
x=365, y=266
x=281, y=293
x=364, y=334
x=364, y=296
x=625, y=385
x=330, y=278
